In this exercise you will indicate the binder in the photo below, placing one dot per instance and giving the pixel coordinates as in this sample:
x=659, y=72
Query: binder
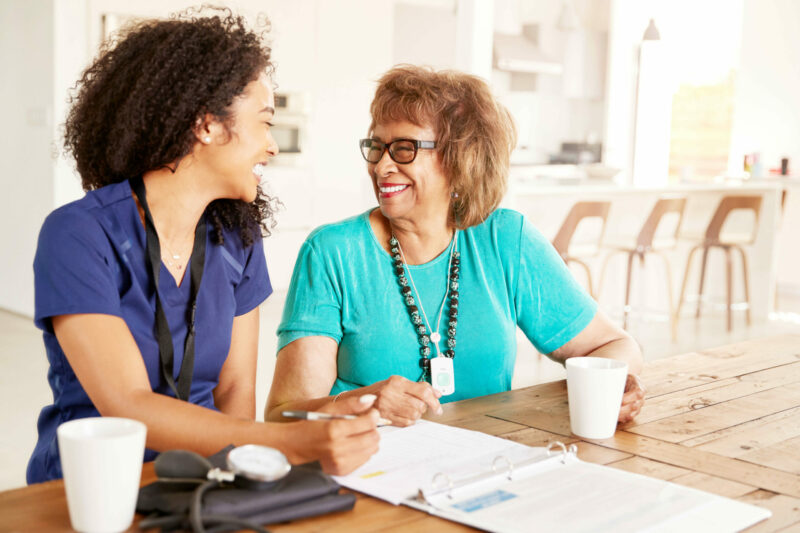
x=515, y=488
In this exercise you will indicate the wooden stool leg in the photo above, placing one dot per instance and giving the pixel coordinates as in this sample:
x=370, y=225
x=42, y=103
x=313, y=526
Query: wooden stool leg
x=588, y=275
x=729, y=283
x=745, y=276
x=683, y=292
x=626, y=309
x=668, y=272
x=602, y=279
x=702, y=280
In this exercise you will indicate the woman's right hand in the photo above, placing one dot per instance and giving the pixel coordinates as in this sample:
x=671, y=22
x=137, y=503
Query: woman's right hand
x=341, y=445
x=403, y=401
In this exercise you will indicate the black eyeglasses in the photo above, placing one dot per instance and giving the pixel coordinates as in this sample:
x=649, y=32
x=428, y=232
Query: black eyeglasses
x=401, y=151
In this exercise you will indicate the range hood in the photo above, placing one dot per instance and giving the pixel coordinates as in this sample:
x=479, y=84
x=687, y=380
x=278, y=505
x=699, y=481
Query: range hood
x=521, y=53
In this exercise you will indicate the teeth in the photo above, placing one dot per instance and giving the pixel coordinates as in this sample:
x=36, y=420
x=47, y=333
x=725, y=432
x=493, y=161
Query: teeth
x=259, y=169
x=393, y=189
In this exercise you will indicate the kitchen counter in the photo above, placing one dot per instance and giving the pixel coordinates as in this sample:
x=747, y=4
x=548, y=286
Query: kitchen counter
x=556, y=185
x=546, y=204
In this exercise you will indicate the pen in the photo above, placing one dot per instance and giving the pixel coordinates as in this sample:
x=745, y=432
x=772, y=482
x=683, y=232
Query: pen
x=313, y=415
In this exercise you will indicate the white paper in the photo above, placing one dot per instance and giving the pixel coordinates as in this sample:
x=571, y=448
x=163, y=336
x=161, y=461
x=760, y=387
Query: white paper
x=582, y=497
x=559, y=493
x=410, y=457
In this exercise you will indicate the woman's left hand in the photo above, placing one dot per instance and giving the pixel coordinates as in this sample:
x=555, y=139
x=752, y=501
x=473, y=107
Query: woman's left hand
x=403, y=401
x=632, y=400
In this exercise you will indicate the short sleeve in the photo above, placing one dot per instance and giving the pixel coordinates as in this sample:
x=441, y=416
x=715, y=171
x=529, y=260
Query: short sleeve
x=313, y=305
x=552, y=308
x=254, y=286
x=74, y=269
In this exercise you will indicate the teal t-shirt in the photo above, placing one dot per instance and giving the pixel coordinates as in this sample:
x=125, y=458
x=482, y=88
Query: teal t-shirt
x=344, y=287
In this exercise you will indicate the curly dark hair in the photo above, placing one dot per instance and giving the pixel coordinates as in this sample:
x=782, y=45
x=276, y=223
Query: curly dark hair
x=134, y=109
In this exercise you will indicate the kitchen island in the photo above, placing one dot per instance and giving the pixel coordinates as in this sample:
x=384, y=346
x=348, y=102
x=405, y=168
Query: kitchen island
x=546, y=203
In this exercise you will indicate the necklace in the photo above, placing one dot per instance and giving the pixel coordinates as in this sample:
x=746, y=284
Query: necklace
x=422, y=328
x=174, y=256
x=181, y=386
x=175, y=260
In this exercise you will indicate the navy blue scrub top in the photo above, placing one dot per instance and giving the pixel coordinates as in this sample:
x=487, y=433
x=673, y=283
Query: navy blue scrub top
x=91, y=259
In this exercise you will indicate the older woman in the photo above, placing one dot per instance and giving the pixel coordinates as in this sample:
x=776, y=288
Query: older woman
x=430, y=287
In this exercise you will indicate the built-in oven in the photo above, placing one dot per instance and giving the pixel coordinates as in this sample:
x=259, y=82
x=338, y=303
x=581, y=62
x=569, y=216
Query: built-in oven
x=290, y=127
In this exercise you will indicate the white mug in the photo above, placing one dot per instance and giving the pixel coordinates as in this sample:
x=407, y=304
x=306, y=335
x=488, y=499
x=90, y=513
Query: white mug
x=595, y=386
x=101, y=458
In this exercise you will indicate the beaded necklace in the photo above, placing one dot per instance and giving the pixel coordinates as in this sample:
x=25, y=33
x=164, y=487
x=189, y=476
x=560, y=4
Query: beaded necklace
x=422, y=328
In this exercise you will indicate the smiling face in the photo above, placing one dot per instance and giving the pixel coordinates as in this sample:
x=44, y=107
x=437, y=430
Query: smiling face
x=237, y=158
x=415, y=191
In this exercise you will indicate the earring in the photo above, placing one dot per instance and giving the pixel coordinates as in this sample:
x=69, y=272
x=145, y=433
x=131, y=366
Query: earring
x=454, y=194
x=206, y=139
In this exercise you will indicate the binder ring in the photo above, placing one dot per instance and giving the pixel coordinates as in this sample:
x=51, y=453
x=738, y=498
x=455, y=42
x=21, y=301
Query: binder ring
x=559, y=444
x=447, y=479
x=572, y=449
x=510, y=470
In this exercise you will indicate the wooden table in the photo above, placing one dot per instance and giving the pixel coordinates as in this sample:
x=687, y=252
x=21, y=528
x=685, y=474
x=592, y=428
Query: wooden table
x=725, y=420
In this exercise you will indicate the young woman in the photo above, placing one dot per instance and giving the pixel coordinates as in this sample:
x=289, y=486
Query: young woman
x=147, y=289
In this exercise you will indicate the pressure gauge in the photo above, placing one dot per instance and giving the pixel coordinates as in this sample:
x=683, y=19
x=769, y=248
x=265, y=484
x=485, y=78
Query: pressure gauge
x=258, y=463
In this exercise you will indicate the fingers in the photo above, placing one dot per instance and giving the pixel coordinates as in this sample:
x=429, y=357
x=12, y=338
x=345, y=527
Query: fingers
x=403, y=412
x=403, y=401
x=363, y=423
x=428, y=395
x=349, y=443
x=350, y=405
x=634, y=382
x=341, y=445
x=626, y=414
x=633, y=396
x=638, y=382
x=630, y=408
x=633, y=399
x=347, y=455
x=402, y=422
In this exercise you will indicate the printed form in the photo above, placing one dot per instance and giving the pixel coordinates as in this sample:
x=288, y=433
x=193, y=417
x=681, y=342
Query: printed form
x=410, y=457
x=499, y=485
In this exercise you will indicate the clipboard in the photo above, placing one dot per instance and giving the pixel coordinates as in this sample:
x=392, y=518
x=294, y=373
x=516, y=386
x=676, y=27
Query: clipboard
x=515, y=488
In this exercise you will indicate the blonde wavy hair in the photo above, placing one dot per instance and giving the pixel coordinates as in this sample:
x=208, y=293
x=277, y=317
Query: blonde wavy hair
x=475, y=133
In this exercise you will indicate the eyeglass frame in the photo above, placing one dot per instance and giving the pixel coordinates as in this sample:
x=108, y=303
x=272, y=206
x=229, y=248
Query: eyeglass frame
x=418, y=145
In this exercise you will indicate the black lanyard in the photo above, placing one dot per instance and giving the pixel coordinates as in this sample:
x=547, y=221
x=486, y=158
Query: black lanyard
x=198, y=259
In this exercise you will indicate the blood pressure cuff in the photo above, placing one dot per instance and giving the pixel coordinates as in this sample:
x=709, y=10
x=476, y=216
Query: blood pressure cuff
x=306, y=491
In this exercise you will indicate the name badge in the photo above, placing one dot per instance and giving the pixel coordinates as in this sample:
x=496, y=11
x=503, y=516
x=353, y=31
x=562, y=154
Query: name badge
x=442, y=376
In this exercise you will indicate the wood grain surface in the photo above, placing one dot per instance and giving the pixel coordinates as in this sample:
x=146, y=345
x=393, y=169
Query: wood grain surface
x=725, y=420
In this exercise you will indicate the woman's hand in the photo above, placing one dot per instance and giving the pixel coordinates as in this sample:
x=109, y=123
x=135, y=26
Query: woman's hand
x=632, y=400
x=340, y=446
x=403, y=401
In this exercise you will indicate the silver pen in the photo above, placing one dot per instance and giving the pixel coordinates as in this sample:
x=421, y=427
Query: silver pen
x=315, y=415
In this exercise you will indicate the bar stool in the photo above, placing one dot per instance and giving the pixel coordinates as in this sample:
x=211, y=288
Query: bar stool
x=647, y=242
x=577, y=254
x=727, y=243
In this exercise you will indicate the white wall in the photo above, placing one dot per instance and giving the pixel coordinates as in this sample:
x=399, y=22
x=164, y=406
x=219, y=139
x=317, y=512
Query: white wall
x=700, y=42
x=26, y=165
x=766, y=116
x=552, y=109
x=70, y=53
x=333, y=52
x=627, y=24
